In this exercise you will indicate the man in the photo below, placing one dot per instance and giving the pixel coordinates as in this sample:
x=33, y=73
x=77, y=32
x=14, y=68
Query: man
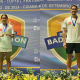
x=71, y=26
x=6, y=33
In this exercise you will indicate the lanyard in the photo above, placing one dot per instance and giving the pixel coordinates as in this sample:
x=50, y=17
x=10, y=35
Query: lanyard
x=4, y=28
x=75, y=21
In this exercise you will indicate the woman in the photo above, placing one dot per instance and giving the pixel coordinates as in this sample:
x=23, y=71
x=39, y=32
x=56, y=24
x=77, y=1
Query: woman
x=6, y=33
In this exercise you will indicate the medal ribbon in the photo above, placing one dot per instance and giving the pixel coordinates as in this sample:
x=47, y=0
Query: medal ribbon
x=5, y=28
x=75, y=21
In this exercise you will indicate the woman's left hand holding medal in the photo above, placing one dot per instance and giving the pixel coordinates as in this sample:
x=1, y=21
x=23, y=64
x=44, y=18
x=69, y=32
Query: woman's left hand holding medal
x=8, y=35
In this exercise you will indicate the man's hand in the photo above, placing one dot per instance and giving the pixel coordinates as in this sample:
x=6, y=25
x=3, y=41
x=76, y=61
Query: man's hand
x=64, y=37
x=2, y=35
x=64, y=45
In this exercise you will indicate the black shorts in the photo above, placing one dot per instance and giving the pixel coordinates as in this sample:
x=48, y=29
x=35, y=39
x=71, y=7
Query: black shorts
x=72, y=46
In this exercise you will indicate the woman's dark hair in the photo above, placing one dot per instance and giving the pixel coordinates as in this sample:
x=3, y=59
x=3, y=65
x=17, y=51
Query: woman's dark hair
x=4, y=15
x=74, y=6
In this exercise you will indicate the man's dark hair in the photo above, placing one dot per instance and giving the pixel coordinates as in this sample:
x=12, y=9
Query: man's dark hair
x=74, y=6
x=4, y=15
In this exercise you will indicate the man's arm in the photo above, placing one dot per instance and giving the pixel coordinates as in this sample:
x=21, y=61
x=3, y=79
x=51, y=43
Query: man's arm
x=64, y=34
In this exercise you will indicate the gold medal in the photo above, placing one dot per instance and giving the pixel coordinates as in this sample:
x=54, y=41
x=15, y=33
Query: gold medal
x=74, y=27
x=4, y=32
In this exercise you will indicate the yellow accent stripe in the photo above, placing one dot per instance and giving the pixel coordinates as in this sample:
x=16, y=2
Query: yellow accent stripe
x=22, y=67
x=34, y=9
x=56, y=9
x=22, y=10
x=57, y=69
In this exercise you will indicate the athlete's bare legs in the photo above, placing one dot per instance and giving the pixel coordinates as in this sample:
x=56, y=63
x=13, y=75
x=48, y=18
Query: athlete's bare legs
x=8, y=54
x=69, y=62
x=1, y=60
x=78, y=61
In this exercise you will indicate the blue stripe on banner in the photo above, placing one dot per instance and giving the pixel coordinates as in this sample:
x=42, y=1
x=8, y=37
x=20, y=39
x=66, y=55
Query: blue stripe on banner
x=55, y=41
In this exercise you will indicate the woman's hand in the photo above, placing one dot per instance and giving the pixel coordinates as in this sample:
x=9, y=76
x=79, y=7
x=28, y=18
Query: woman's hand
x=7, y=35
x=2, y=35
x=12, y=35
